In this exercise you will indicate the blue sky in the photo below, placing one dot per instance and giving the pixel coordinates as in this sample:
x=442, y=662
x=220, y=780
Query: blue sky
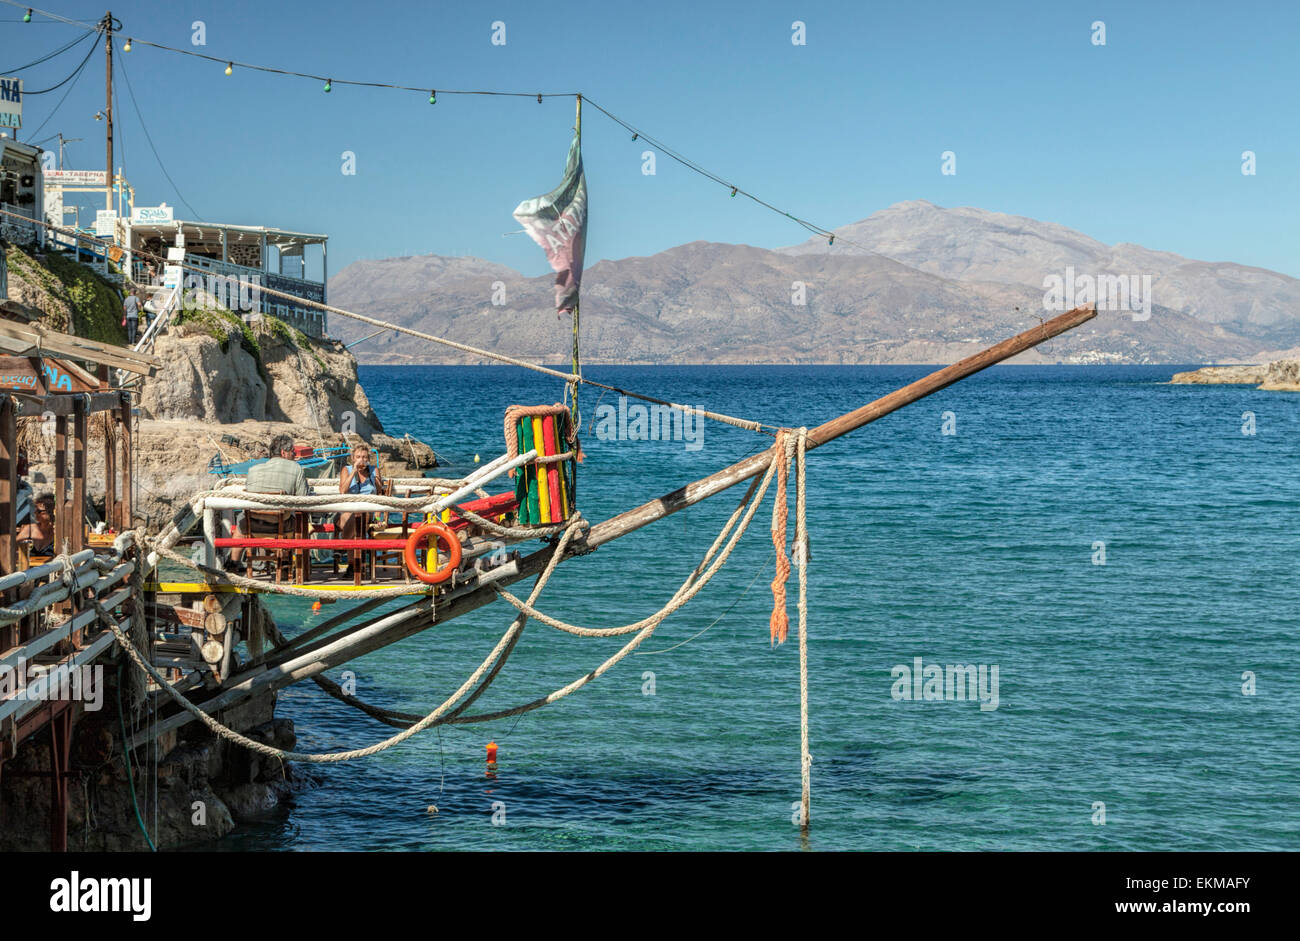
x=1137, y=141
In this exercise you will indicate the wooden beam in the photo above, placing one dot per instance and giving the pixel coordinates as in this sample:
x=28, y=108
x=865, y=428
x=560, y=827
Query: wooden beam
x=39, y=340
x=62, y=403
x=693, y=493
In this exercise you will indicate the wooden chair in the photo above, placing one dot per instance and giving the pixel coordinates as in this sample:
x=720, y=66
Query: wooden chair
x=282, y=524
x=391, y=558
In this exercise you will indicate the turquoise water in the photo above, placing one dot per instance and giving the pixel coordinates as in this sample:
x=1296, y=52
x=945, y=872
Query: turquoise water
x=1118, y=683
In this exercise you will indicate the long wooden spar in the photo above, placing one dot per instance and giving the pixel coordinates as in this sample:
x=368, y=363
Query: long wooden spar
x=344, y=646
x=715, y=483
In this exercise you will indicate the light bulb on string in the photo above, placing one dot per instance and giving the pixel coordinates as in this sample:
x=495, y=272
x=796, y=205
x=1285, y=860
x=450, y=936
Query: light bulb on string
x=27, y=17
x=127, y=47
x=230, y=68
x=433, y=97
x=539, y=98
x=329, y=83
x=733, y=192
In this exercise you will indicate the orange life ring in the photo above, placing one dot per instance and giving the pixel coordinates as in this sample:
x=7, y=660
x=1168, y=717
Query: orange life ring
x=437, y=532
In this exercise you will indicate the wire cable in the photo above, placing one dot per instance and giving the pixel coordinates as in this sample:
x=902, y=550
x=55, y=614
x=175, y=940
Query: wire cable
x=149, y=137
x=74, y=74
x=45, y=58
x=736, y=189
x=55, y=111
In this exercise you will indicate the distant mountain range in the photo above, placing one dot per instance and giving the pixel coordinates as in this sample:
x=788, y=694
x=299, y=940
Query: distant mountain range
x=914, y=283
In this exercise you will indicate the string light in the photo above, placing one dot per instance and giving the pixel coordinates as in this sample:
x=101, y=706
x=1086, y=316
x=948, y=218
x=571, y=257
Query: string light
x=830, y=241
x=433, y=98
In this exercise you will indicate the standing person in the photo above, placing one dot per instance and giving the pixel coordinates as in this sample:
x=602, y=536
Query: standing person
x=131, y=316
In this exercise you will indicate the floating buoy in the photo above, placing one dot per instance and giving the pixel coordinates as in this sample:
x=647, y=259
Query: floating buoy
x=492, y=754
x=432, y=809
x=315, y=605
x=475, y=458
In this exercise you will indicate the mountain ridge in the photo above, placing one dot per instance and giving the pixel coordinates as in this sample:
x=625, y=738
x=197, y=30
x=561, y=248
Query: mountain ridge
x=913, y=283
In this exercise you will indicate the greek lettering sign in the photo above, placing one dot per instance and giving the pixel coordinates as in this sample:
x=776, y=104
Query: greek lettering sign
x=74, y=178
x=11, y=102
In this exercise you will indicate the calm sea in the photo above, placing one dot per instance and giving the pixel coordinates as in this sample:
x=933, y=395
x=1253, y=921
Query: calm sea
x=1121, y=687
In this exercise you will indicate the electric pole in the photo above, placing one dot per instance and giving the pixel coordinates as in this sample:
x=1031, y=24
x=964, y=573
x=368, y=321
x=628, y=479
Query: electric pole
x=108, y=108
x=66, y=140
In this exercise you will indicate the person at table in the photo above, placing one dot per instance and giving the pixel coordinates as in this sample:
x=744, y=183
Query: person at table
x=41, y=529
x=280, y=474
x=359, y=477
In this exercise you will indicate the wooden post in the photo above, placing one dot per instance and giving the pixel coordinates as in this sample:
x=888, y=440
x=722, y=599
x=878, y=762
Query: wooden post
x=124, y=507
x=209, y=534
x=110, y=472
x=8, y=509
x=8, y=486
x=77, y=518
x=60, y=482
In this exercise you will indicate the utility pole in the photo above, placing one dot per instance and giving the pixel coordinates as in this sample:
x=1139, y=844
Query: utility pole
x=66, y=140
x=108, y=108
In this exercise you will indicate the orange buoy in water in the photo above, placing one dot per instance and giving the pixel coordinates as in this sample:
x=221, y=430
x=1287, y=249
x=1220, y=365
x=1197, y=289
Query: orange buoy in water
x=492, y=753
x=315, y=605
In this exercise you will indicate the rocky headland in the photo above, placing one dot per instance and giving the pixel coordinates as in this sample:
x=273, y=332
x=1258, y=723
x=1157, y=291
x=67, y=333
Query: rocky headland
x=1281, y=375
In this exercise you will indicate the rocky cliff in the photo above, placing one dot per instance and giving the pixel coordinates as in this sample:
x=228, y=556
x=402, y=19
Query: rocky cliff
x=225, y=387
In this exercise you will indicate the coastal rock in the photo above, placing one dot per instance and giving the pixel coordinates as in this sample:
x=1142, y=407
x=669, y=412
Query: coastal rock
x=203, y=379
x=1280, y=375
x=1221, y=375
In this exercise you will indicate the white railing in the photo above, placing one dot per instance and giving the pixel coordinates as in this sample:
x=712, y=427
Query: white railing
x=105, y=578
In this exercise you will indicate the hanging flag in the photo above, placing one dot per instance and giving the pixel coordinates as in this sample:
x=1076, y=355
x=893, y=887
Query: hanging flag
x=558, y=223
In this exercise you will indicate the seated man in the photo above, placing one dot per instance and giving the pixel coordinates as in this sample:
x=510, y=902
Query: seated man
x=41, y=529
x=280, y=474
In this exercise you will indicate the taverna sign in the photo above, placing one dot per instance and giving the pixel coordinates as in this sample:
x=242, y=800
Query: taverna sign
x=146, y=214
x=11, y=102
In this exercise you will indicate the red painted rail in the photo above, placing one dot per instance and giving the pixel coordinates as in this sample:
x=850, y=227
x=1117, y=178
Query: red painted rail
x=328, y=545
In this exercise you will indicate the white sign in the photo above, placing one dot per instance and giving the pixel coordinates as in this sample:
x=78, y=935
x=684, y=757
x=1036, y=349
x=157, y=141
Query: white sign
x=146, y=214
x=104, y=222
x=11, y=102
x=74, y=177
